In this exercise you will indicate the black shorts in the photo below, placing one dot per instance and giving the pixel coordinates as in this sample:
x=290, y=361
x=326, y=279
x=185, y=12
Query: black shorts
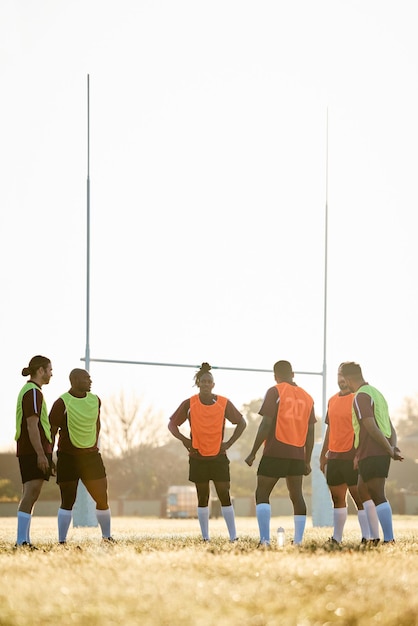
x=74, y=467
x=280, y=468
x=29, y=469
x=341, y=472
x=374, y=467
x=216, y=469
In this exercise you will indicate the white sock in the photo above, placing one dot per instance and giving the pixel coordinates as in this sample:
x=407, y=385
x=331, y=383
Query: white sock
x=372, y=518
x=203, y=517
x=23, y=527
x=229, y=517
x=340, y=518
x=300, y=521
x=64, y=521
x=384, y=513
x=263, y=512
x=364, y=524
x=104, y=519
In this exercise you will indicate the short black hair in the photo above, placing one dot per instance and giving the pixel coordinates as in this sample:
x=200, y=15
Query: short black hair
x=349, y=368
x=283, y=369
x=76, y=373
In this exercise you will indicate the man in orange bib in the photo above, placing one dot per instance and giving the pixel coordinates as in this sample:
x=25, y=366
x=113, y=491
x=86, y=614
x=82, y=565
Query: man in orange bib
x=337, y=461
x=287, y=430
x=207, y=413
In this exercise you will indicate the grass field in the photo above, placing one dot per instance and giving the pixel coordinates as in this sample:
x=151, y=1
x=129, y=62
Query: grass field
x=160, y=572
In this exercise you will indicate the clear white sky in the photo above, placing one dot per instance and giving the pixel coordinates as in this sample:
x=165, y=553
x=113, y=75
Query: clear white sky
x=208, y=190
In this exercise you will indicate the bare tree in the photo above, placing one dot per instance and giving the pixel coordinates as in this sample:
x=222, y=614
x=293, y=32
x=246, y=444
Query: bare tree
x=128, y=425
x=139, y=462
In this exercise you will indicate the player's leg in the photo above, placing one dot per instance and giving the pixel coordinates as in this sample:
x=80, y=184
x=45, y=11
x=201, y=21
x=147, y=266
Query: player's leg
x=31, y=490
x=203, y=492
x=294, y=486
x=97, y=488
x=374, y=471
x=338, y=490
x=92, y=472
x=370, y=509
x=32, y=481
x=67, y=479
x=265, y=485
x=68, y=491
x=223, y=491
x=376, y=487
x=361, y=513
x=199, y=474
x=339, y=499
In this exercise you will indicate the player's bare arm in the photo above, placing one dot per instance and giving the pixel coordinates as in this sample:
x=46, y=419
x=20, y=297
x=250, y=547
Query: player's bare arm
x=35, y=439
x=375, y=432
x=323, y=456
x=394, y=442
x=239, y=429
x=261, y=436
x=174, y=430
x=309, y=444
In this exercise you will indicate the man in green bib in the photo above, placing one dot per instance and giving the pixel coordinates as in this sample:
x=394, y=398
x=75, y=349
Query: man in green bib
x=76, y=417
x=33, y=442
x=375, y=444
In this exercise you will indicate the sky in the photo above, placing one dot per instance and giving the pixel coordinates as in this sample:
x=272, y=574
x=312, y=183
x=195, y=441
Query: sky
x=219, y=134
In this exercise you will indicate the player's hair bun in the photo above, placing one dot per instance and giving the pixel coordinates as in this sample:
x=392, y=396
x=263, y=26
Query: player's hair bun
x=34, y=364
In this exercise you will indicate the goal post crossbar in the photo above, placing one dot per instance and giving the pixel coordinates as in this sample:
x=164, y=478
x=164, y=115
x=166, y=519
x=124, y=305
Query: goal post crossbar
x=214, y=367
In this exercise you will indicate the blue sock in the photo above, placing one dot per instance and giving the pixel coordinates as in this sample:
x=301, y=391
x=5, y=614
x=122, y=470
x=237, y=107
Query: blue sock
x=372, y=518
x=263, y=512
x=340, y=518
x=203, y=517
x=364, y=524
x=64, y=521
x=103, y=517
x=384, y=513
x=229, y=517
x=23, y=527
x=300, y=521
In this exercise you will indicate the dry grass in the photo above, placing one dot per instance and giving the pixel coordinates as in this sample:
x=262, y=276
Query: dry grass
x=160, y=572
